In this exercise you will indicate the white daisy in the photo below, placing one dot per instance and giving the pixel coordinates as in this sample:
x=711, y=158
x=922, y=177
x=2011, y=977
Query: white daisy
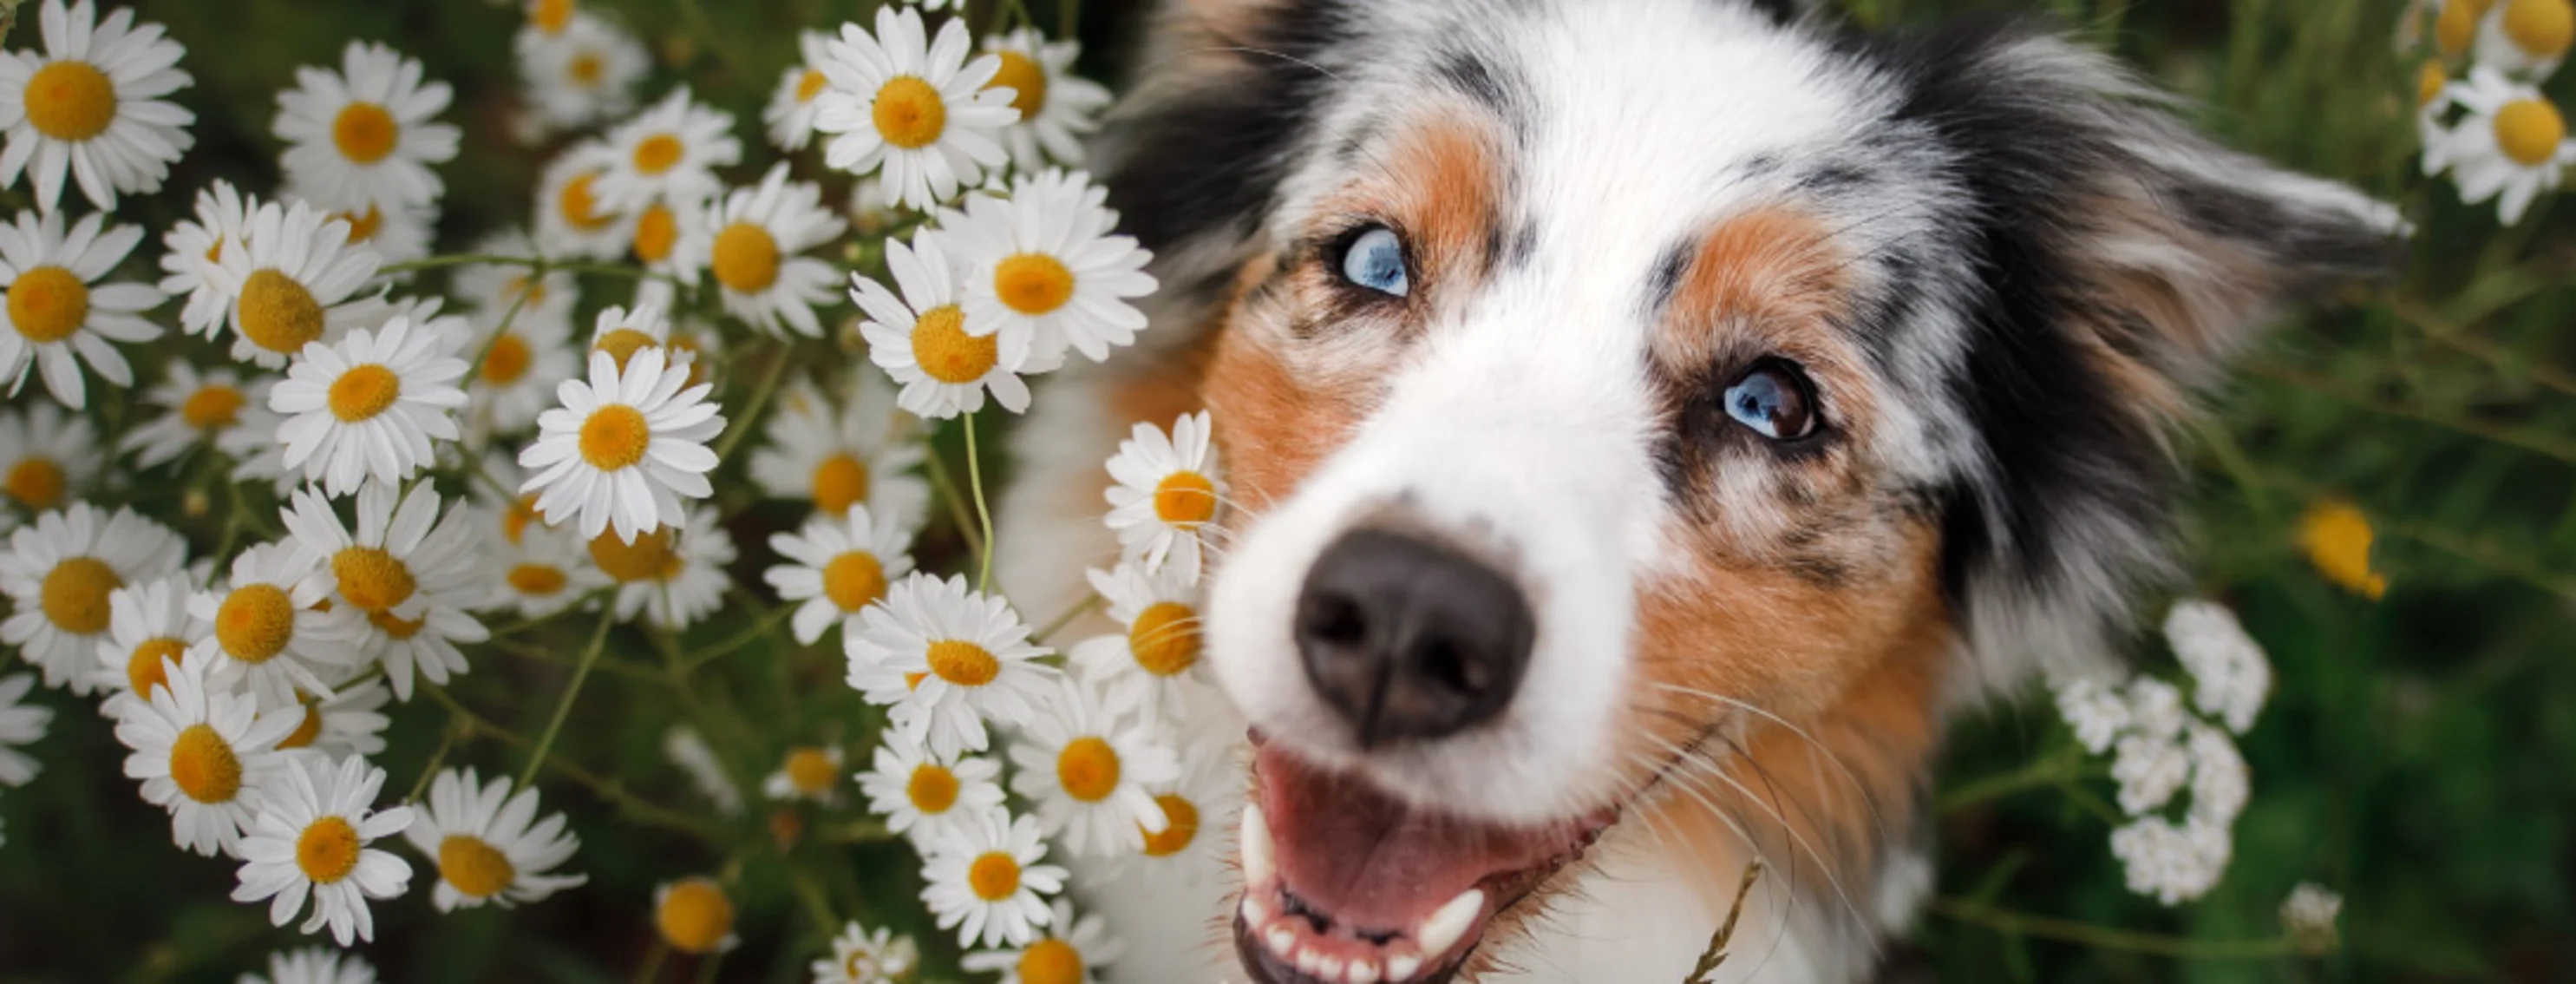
x=348, y=723
x=522, y=368
x=673, y=577
x=413, y=583
x=926, y=798
x=148, y=624
x=694, y=916
x=582, y=73
x=21, y=724
x=919, y=108
x=572, y=222
x=46, y=457
x=690, y=754
x=623, y=448
x=2526, y=38
x=1046, y=272
x=1144, y=665
x=398, y=233
x=195, y=245
x=1068, y=954
x=311, y=839
x=662, y=231
x=263, y=630
x=58, y=315
x=946, y=657
x=839, y=454
x=1057, y=108
x=1209, y=789
x=860, y=956
x=669, y=151
x=291, y=283
x=257, y=454
x=547, y=21
x=2510, y=144
x=750, y=243
x=871, y=210
x=314, y=965
x=489, y=845
x=202, y=753
x=840, y=564
x=197, y=406
x=622, y=332
x=491, y=290
x=792, y=105
x=363, y=135
x=541, y=571
x=368, y=406
x=920, y=338
x=1167, y=492
x=807, y=772
x=59, y=573
x=92, y=105
x=985, y=880
x=1089, y=768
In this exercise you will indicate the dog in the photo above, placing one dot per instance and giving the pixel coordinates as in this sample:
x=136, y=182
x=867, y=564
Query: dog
x=1646, y=423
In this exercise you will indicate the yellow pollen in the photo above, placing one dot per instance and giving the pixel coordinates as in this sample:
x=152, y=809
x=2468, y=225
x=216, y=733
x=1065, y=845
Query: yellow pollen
x=746, y=258
x=1165, y=638
x=363, y=226
x=1032, y=283
x=947, y=353
x=909, y=113
x=956, y=661
x=514, y=523
x=508, y=360
x=912, y=681
x=1050, y=961
x=932, y=788
x=2457, y=26
x=473, y=866
x=364, y=132
x=655, y=231
x=211, y=406
x=203, y=765
x=656, y=153
x=622, y=344
x=854, y=579
x=328, y=850
x=75, y=594
x=1180, y=827
x=308, y=729
x=363, y=392
x=2541, y=28
x=615, y=437
x=642, y=560
x=2528, y=131
x=371, y=579
x=810, y=85
x=811, y=770
x=550, y=16
x=2429, y=83
x=37, y=483
x=538, y=580
x=2336, y=537
x=70, y=100
x=1088, y=769
x=1185, y=499
x=143, y=669
x=695, y=916
x=277, y=313
x=994, y=876
x=840, y=482
x=1028, y=82
x=396, y=626
x=585, y=69
x=47, y=304
x=578, y=209
x=255, y=622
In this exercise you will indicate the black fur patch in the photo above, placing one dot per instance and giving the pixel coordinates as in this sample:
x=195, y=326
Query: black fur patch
x=1474, y=76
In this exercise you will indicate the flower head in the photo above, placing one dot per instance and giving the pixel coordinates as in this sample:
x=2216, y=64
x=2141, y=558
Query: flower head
x=198, y=407
x=695, y=916
x=2230, y=675
x=793, y=103
x=314, y=965
x=202, y=753
x=489, y=845
x=1045, y=272
x=862, y=956
x=669, y=151
x=750, y=244
x=806, y=772
x=583, y=71
x=623, y=447
x=408, y=574
x=840, y=453
x=292, y=282
x=1146, y=665
x=2309, y=914
x=57, y=316
x=2510, y=143
x=946, y=657
x=1057, y=108
x=673, y=576
x=924, y=797
x=60, y=573
x=1167, y=492
x=1089, y=768
x=46, y=458
x=912, y=105
x=21, y=724
x=986, y=881
x=92, y=105
x=920, y=338
x=196, y=246
x=363, y=136
x=1068, y=954
x=367, y=407
x=2337, y=539
x=316, y=820
x=265, y=631
x=840, y=564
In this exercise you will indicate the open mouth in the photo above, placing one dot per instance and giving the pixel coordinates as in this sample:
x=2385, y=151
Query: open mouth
x=1344, y=884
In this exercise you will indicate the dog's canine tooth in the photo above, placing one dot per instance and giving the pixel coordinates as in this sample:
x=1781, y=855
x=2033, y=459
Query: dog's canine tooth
x=1440, y=930
x=1260, y=865
x=1255, y=914
x=1362, y=971
x=1283, y=941
x=1400, y=967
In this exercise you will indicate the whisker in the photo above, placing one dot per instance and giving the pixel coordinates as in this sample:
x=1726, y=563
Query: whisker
x=1868, y=798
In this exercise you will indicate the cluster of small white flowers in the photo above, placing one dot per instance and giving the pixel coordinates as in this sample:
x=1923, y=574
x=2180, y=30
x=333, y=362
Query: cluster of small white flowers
x=2309, y=915
x=2494, y=130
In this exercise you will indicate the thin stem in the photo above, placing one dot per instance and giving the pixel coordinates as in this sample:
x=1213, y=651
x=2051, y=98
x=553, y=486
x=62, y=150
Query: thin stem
x=605, y=663
x=983, y=513
x=446, y=740
x=815, y=904
x=2533, y=441
x=1088, y=604
x=641, y=810
x=458, y=259
x=651, y=969
x=759, y=627
x=957, y=511
x=572, y=690
x=708, y=965
x=502, y=331
x=739, y=427
x=2495, y=356
x=2107, y=938
x=2043, y=773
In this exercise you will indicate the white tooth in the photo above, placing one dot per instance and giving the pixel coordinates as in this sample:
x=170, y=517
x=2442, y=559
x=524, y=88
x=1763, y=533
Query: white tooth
x=1255, y=914
x=1310, y=962
x=1441, y=930
x=1329, y=968
x=1400, y=968
x=1362, y=971
x=1260, y=865
x=1283, y=941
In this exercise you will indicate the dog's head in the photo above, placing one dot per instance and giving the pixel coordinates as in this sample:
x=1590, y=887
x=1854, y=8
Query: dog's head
x=1601, y=379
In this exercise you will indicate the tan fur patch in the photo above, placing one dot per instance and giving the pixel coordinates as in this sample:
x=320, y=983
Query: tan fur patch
x=1436, y=182
x=1772, y=266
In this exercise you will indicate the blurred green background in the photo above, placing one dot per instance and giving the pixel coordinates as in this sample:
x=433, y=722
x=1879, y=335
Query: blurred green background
x=2418, y=755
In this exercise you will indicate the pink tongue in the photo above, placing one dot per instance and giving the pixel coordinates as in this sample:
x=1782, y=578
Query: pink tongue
x=1368, y=862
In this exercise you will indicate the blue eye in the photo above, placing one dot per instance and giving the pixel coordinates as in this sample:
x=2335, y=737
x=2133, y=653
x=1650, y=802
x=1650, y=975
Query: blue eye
x=1772, y=400
x=1375, y=260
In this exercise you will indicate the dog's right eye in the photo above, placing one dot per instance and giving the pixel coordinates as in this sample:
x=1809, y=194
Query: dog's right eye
x=1375, y=260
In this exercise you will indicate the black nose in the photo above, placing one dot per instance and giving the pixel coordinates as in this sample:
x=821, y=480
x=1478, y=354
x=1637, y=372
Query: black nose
x=1405, y=638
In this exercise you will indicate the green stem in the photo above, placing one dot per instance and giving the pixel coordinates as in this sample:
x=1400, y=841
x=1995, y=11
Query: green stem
x=762, y=626
x=983, y=513
x=815, y=904
x=437, y=758
x=958, y=512
x=2039, y=774
x=2106, y=938
x=572, y=690
x=739, y=427
x=503, y=331
x=1088, y=604
x=2533, y=441
x=650, y=970
x=542, y=263
x=636, y=807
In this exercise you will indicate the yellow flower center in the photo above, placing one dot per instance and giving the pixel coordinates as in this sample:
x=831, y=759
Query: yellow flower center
x=396, y=626
x=514, y=522
x=643, y=560
x=143, y=669
x=1050, y=961
x=364, y=132
x=1185, y=499
x=308, y=729
x=203, y=765
x=363, y=226
x=538, y=580
x=211, y=406
x=840, y=482
x=70, y=100
x=473, y=866
x=2337, y=539
x=1165, y=638
x=746, y=258
x=2528, y=131
x=328, y=850
x=75, y=594
x=371, y=579
x=364, y=391
x=695, y=916
x=811, y=770
x=37, y=483
x=994, y=876
x=615, y=437
x=2429, y=83
x=1180, y=827
x=2541, y=28
x=277, y=313
x=810, y=85
x=622, y=344
x=932, y=788
x=585, y=69
x=854, y=579
x=1033, y=283
x=909, y=113
x=2457, y=27
x=655, y=154
x=1088, y=769
x=47, y=304
x=959, y=662
x=578, y=208
x=1028, y=82
x=655, y=231
x=947, y=353
x=550, y=16
x=255, y=622
x=508, y=360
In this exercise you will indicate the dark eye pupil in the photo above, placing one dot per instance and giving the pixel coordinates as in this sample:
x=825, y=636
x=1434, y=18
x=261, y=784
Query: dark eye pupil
x=1770, y=402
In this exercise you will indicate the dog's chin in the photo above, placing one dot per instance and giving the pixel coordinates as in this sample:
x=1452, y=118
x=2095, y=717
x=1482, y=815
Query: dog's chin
x=1347, y=884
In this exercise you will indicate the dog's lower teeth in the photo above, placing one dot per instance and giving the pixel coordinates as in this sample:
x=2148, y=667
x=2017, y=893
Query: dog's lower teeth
x=1283, y=941
x=1311, y=963
x=1260, y=865
x=1400, y=968
x=1441, y=930
x=1362, y=971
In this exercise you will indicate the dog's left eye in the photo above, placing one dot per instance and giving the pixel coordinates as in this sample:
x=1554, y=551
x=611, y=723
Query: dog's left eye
x=1772, y=399
x=1375, y=260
